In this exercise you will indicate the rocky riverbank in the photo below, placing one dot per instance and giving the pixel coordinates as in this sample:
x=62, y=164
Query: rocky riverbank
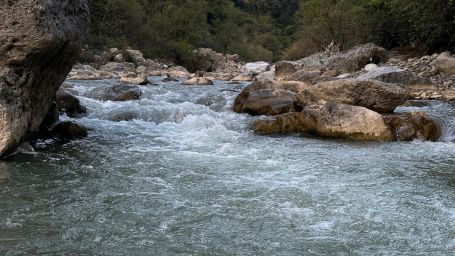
x=350, y=95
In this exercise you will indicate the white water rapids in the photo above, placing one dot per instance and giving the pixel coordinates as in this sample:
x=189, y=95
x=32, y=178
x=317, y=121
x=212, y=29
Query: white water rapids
x=187, y=176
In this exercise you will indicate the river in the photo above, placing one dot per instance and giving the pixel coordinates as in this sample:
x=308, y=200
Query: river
x=188, y=177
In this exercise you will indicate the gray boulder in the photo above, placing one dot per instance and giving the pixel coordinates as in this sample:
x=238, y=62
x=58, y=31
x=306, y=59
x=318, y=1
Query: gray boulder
x=39, y=43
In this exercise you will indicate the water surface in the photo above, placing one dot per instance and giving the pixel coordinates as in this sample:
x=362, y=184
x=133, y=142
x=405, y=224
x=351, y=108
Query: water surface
x=188, y=177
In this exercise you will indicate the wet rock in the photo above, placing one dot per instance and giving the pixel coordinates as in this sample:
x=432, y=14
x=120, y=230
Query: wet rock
x=198, y=81
x=398, y=76
x=255, y=86
x=66, y=131
x=69, y=104
x=121, y=92
x=39, y=43
x=123, y=115
x=413, y=125
x=170, y=78
x=445, y=63
x=256, y=68
x=375, y=95
x=370, y=67
x=268, y=102
x=331, y=120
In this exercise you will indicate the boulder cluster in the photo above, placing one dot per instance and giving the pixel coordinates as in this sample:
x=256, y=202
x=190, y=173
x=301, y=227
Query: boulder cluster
x=350, y=95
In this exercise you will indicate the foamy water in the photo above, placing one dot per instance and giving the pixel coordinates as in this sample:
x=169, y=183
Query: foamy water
x=187, y=176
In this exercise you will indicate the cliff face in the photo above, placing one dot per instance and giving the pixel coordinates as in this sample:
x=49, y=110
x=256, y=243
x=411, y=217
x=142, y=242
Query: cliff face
x=39, y=43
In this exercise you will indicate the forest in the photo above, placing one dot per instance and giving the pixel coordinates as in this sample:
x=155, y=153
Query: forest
x=270, y=29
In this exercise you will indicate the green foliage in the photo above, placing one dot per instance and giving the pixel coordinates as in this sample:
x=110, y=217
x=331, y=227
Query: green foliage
x=269, y=29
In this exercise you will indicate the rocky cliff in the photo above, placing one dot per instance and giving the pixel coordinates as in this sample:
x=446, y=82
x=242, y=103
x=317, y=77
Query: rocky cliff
x=39, y=43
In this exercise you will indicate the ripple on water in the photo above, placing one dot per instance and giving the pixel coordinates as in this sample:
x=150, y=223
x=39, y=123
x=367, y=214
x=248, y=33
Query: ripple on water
x=186, y=176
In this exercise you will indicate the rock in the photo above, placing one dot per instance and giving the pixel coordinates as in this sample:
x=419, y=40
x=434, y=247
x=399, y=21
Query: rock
x=120, y=58
x=114, y=67
x=69, y=104
x=198, y=81
x=256, y=68
x=413, y=125
x=136, y=57
x=330, y=73
x=370, y=67
x=285, y=69
x=51, y=118
x=219, y=76
x=123, y=115
x=140, y=79
x=39, y=43
x=345, y=62
x=445, y=63
x=68, y=131
x=305, y=75
x=106, y=75
x=266, y=75
x=170, y=78
x=255, y=86
x=243, y=77
x=207, y=60
x=398, y=76
x=269, y=102
x=375, y=95
x=121, y=92
x=332, y=120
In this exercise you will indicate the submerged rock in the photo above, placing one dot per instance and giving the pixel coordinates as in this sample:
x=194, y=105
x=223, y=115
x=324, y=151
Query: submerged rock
x=68, y=131
x=375, y=95
x=39, y=43
x=121, y=92
x=69, y=104
x=413, y=125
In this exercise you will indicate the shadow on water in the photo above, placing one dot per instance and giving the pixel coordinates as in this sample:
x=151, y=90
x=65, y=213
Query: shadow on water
x=4, y=172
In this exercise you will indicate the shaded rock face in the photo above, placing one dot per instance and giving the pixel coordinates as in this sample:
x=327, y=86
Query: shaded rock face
x=269, y=102
x=375, y=95
x=39, y=43
x=397, y=76
x=332, y=120
x=69, y=104
x=413, y=125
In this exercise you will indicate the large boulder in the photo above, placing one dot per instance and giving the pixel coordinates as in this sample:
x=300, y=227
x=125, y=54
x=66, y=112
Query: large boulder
x=255, y=86
x=256, y=68
x=269, y=102
x=345, y=62
x=39, y=43
x=445, y=63
x=375, y=95
x=332, y=120
x=398, y=76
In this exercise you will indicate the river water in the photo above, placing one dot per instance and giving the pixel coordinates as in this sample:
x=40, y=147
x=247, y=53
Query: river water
x=188, y=177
